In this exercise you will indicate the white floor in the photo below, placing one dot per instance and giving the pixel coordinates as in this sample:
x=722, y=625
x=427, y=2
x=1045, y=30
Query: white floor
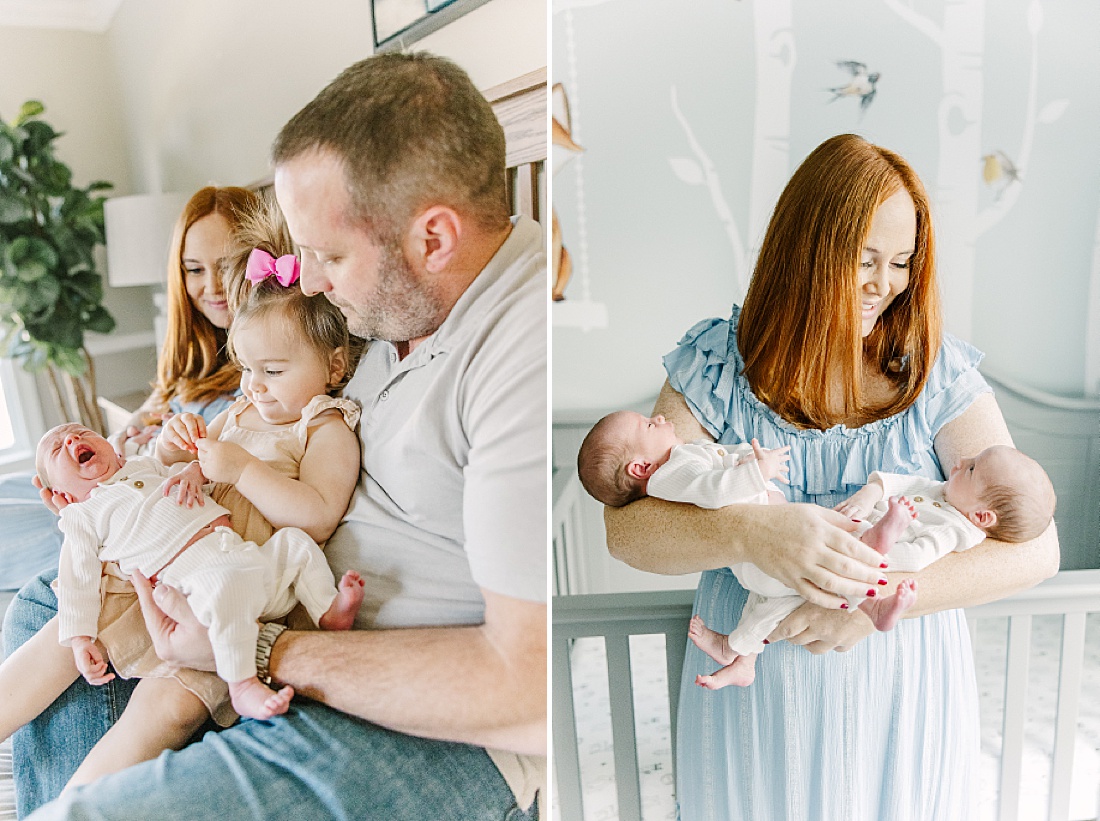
x=655, y=748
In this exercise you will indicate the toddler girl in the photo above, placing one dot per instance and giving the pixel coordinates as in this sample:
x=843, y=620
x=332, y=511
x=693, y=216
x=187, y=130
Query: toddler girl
x=293, y=351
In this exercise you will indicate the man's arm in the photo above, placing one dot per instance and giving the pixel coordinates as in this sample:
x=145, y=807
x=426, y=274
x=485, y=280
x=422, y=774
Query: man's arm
x=483, y=685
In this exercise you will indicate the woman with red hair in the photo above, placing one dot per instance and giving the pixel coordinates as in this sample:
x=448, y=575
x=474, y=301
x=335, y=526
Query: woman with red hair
x=837, y=352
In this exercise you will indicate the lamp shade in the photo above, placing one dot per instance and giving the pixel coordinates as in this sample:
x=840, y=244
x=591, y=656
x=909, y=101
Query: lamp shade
x=139, y=229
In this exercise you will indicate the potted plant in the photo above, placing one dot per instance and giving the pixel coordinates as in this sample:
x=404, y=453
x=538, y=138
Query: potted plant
x=50, y=292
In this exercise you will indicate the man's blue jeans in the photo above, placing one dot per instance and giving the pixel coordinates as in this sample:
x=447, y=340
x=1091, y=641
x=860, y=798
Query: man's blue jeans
x=313, y=763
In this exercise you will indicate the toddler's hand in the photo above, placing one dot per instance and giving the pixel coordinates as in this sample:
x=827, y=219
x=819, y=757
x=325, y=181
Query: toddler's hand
x=90, y=661
x=223, y=461
x=773, y=463
x=190, y=481
x=183, y=432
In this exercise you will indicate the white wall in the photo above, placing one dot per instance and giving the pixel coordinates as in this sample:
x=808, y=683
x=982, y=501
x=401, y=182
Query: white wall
x=206, y=84
x=177, y=94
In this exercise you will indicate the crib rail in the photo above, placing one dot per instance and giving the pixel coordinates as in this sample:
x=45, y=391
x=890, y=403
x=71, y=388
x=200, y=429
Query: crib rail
x=615, y=617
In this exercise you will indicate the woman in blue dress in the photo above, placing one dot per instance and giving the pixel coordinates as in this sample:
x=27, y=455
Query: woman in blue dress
x=837, y=352
x=195, y=374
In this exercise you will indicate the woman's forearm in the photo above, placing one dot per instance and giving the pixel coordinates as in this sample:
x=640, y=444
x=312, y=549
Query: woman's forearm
x=808, y=548
x=672, y=539
x=993, y=570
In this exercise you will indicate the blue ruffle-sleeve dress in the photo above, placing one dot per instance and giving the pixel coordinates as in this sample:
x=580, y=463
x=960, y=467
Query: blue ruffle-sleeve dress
x=885, y=732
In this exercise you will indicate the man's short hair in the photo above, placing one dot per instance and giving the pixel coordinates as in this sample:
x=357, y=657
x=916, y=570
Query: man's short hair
x=412, y=131
x=601, y=466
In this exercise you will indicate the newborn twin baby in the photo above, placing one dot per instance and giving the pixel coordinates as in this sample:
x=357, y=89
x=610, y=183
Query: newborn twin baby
x=1000, y=493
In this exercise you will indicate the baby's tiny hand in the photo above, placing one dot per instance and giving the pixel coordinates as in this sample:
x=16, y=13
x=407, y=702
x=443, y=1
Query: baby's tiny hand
x=90, y=661
x=190, y=482
x=773, y=463
x=859, y=504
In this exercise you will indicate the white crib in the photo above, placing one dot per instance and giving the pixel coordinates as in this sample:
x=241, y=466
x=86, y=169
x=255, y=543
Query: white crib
x=616, y=617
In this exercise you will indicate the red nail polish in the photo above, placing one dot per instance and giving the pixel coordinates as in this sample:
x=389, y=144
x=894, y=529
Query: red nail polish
x=871, y=594
x=766, y=641
x=884, y=565
x=844, y=605
x=882, y=581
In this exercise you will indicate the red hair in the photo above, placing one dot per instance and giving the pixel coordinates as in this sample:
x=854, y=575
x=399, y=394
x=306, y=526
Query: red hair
x=799, y=331
x=194, y=365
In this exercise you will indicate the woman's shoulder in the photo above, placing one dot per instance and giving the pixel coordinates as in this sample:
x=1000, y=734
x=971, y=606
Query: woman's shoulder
x=705, y=368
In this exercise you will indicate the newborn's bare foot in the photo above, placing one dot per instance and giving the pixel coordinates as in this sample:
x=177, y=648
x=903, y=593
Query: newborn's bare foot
x=254, y=699
x=341, y=613
x=715, y=645
x=882, y=535
x=885, y=613
x=741, y=673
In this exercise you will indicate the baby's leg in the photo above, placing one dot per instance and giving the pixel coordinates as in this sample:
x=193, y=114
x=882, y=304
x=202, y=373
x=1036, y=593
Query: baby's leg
x=33, y=677
x=714, y=644
x=161, y=715
x=741, y=673
x=886, y=530
x=349, y=595
x=254, y=699
x=885, y=613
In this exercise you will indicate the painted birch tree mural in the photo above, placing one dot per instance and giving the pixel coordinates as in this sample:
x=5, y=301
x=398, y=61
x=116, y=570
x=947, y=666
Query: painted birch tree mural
x=960, y=222
x=775, y=62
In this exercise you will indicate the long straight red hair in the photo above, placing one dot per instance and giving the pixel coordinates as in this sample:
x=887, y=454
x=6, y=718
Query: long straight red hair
x=800, y=327
x=194, y=364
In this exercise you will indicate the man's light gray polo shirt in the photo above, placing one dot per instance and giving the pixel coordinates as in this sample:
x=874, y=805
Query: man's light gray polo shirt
x=452, y=493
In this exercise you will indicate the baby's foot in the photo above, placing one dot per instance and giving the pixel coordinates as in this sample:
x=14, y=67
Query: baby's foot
x=715, y=645
x=253, y=699
x=885, y=613
x=349, y=595
x=882, y=535
x=741, y=673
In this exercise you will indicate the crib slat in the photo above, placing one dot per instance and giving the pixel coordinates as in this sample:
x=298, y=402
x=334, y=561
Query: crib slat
x=566, y=755
x=675, y=641
x=621, y=689
x=1012, y=747
x=1065, y=726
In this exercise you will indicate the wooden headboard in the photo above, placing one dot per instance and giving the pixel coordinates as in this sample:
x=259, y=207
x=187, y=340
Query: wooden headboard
x=521, y=107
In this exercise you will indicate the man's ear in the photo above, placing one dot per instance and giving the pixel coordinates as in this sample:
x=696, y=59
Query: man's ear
x=435, y=234
x=337, y=365
x=637, y=469
x=984, y=519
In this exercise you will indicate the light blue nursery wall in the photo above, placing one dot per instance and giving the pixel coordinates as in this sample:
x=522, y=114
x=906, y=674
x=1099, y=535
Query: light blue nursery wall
x=693, y=115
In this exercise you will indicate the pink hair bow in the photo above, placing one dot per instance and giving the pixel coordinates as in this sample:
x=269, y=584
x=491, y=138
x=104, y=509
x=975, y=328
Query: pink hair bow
x=262, y=265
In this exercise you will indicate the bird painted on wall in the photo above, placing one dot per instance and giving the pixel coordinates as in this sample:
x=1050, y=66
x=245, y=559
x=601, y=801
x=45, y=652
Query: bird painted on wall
x=997, y=168
x=861, y=86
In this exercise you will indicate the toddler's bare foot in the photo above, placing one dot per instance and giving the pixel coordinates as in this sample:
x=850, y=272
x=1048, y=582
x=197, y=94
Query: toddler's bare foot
x=900, y=512
x=341, y=613
x=254, y=699
x=715, y=645
x=885, y=613
x=741, y=673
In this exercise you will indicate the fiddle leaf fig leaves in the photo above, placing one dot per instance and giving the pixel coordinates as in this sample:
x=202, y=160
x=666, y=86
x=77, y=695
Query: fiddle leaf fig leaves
x=50, y=293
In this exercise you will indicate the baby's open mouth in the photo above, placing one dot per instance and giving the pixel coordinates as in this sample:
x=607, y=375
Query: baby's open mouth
x=84, y=454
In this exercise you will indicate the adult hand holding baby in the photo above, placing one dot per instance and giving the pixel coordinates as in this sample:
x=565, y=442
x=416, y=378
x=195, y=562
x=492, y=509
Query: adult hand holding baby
x=178, y=637
x=811, y=550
